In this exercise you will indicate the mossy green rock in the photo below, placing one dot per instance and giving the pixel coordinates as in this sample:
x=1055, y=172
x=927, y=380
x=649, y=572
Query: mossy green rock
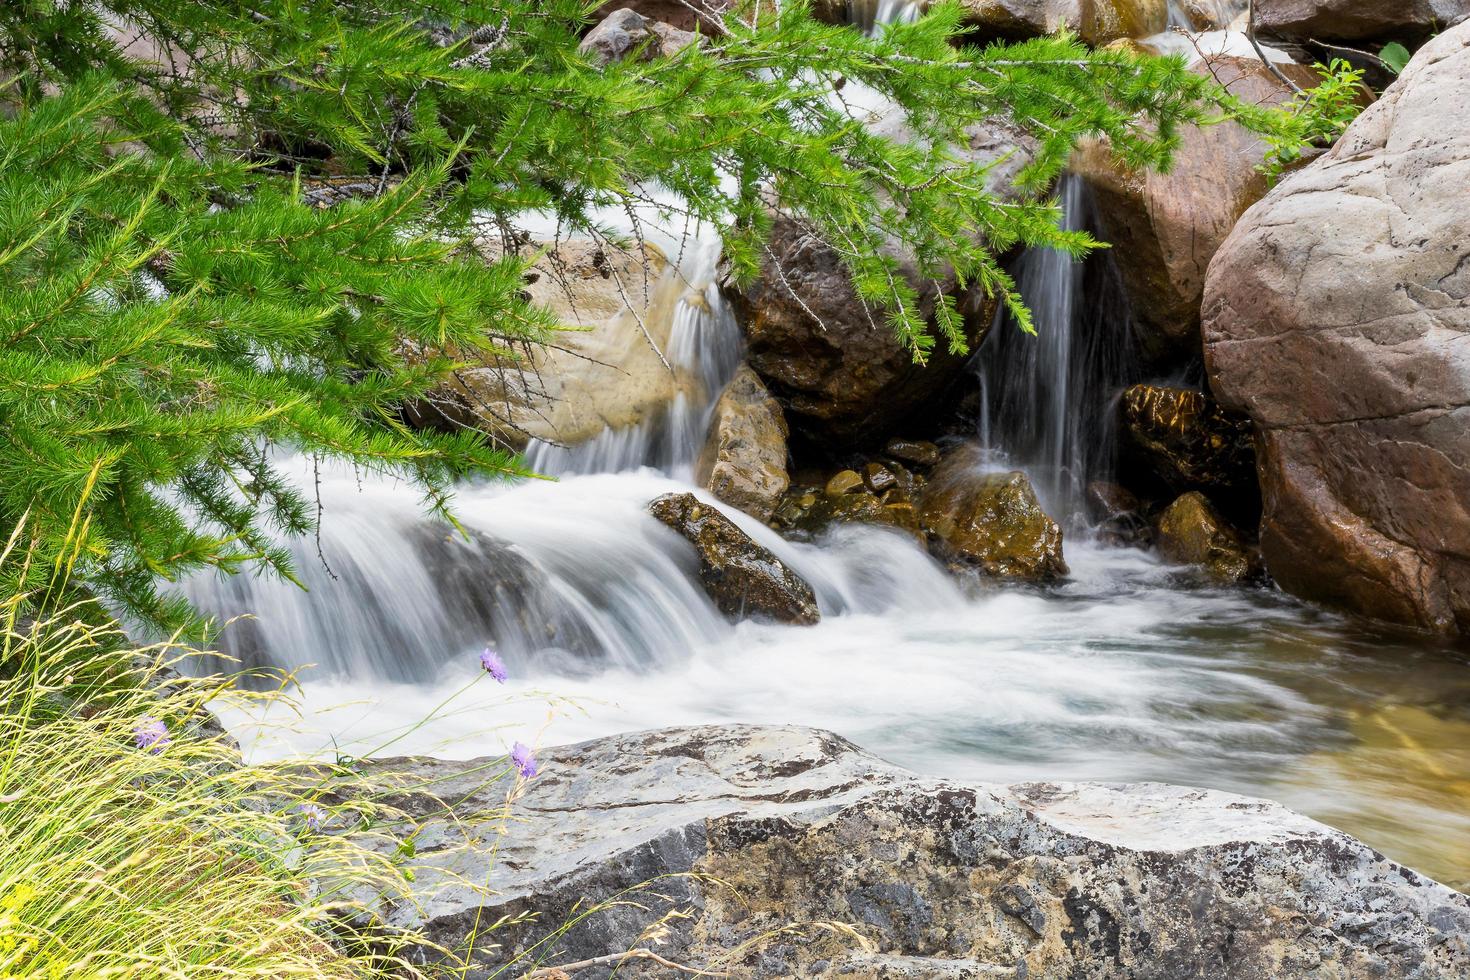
x=1192, y=532
x=990, y=521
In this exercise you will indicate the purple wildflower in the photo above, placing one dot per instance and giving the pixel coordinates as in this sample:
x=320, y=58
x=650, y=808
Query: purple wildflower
x=315, y=816
x=494, y=666
x=523, y=760
x=152, y=734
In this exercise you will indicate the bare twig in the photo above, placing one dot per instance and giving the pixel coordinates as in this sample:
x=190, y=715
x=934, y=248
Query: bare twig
x=1250, y=35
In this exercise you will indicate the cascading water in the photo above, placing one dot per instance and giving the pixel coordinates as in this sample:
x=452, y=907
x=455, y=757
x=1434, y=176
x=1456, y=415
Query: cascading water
x=1121, y=673
x=704, y=349
x=1197, y=14
x=868, y=15
x=1048, y=401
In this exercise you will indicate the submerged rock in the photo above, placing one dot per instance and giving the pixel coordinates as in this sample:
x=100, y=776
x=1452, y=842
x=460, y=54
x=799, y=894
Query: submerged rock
x=1187, y=441
x=1192, y=532
x=1337, y=316
x=936, y=879
x=991, y=521
x=744, y=459
x=742, y=577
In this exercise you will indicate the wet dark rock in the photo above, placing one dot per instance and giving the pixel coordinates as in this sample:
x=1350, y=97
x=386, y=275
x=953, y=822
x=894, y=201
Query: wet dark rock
x=1192, y=532
x=1118, y=515
x=990, y=521
x=1337, y=316
x=1188, y=441
x=744, y=459
x=879, y=478
x=842, y=374
x=742, y=577
x=809, y=513
x=916, y=452
x=940, y=879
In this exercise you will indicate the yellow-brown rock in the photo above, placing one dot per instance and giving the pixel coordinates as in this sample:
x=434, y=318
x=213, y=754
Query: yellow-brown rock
x=1192, y=532
x=990, y=521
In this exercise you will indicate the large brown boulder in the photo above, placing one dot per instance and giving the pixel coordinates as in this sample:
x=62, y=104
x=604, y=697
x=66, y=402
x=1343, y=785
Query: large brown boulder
x=844, y=376
x=1098, y=22
x=743, y=578
x=1357, y=20
x=744, y=459
x=992, y=521
x=1337, y=315
x=1165, y=227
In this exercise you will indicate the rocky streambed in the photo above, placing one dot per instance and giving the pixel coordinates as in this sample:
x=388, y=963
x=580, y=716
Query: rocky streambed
x=790, y=852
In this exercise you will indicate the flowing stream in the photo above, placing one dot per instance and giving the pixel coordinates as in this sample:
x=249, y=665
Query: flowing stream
x=1130, y=670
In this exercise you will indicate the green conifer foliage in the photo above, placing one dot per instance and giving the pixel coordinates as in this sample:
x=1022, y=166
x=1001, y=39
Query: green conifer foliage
x=176, y=297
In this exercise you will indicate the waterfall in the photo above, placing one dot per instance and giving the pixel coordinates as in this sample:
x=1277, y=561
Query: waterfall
x=704, y=348
x=1220, y=13
x=1048, y=401
x=867, y=15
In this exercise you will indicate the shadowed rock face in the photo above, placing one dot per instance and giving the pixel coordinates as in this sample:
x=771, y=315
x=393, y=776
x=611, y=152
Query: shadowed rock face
x=1337, y=316
x=1187, y=441
x=1084, y=881
x=845, y=378
x=743, y=578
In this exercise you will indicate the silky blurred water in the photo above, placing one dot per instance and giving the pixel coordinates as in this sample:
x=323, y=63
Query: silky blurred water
x=1129, y=671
